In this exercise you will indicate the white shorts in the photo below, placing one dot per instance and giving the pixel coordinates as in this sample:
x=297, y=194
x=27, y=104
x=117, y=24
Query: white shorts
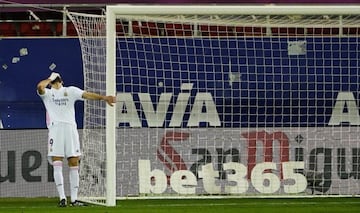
x=63, y=141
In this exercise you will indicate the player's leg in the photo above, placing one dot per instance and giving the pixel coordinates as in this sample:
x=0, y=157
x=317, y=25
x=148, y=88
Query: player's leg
x=57, y=163
x=56, y=156
x=73, y=153
x=74, y=178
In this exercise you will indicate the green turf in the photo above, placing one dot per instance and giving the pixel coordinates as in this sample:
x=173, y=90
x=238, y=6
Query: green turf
x=269, y=205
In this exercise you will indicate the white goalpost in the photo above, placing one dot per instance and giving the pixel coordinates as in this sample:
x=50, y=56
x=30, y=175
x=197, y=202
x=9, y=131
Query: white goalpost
x=221, y=101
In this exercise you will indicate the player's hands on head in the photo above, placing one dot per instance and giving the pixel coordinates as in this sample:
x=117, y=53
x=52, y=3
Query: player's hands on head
x=53, y=76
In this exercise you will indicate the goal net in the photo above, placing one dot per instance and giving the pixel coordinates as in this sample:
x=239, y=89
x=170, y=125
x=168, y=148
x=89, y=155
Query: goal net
x=222, y=101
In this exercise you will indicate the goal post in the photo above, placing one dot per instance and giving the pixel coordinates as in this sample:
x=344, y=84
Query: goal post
x=98, y=163
x=111, y=111
x=224, y=101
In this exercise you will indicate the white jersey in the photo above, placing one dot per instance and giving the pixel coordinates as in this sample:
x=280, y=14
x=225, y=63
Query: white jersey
x=60, y=104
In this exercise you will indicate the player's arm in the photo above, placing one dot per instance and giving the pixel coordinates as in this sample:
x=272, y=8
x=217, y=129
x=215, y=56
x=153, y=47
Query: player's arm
x=44, y=83
x=94, y=96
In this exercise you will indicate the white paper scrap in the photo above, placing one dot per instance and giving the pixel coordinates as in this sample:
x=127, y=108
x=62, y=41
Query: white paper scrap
x=23, y=51
x=296, y=47
x=15, y=60
x=52, y=66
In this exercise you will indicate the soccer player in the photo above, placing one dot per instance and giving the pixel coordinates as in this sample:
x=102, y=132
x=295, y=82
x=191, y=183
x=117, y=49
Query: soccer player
x=63, y=141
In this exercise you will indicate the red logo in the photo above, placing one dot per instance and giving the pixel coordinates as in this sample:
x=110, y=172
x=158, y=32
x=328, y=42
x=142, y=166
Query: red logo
x=168, y=155
x=267, y=140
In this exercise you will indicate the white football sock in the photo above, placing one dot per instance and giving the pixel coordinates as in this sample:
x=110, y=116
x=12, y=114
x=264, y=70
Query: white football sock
x=74, y=182
x=59, y=179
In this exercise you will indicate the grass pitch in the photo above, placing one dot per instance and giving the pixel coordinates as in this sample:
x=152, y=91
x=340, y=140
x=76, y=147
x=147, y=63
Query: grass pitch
x=248, y=205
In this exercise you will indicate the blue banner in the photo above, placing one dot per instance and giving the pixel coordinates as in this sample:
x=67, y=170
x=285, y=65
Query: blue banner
x=236, y=82
x=254, y=82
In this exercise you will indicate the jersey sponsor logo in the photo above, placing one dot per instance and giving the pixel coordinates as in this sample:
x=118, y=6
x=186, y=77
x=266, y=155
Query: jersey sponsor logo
x=60, y=101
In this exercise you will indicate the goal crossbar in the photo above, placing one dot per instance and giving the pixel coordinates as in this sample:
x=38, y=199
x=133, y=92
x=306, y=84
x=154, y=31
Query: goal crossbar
x=124, y=9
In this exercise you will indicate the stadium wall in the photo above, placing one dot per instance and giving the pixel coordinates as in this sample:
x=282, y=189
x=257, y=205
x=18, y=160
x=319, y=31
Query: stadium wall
x=24, y=170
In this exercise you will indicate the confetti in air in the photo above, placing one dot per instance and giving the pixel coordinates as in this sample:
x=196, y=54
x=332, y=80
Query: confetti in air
x=15, y=60
x=52, y=66
x=23, y=52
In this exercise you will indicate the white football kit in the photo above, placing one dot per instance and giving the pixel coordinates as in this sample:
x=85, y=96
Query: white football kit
x=63, y=138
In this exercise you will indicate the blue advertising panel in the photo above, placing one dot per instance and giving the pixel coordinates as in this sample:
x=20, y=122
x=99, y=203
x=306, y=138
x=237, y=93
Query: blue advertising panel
x=275, y=88
x=271, y=88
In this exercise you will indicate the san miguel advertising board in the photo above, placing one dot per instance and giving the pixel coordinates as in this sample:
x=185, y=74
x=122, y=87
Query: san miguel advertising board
x=242, y=116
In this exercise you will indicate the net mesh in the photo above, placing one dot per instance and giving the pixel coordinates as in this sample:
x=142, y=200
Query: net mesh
x=91, y=31
x=233, y=105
